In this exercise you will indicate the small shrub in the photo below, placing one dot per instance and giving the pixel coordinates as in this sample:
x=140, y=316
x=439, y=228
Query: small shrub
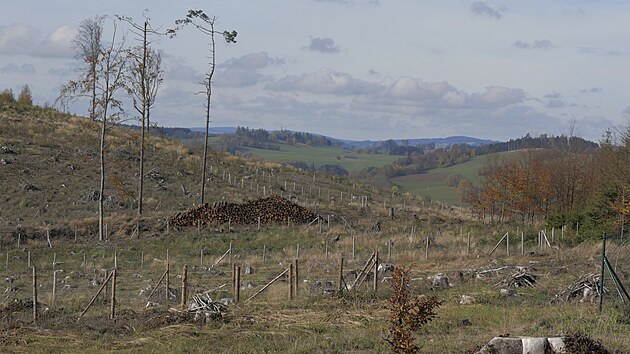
x=407, y=315
x=580, y=343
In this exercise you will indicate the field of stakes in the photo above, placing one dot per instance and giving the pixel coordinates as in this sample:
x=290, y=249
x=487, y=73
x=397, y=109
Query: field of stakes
x=48, y=195
x=317, y=320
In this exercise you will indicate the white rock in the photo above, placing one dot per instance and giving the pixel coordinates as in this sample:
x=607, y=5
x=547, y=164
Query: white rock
x=466, y=300
x=533, y=345
x=557, y=344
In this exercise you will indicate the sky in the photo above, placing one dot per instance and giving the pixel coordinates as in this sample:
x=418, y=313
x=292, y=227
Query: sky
x=359, y=69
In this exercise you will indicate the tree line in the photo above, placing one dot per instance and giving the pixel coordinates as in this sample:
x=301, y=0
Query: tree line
x=263, y=139
x=587, y=190
x=423, y=159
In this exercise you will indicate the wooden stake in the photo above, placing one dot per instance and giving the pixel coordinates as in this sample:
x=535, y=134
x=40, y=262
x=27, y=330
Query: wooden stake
x=296, y=278
x=230, y=251
x=238, y=284
x=48, y=236
x=353, y=247
x=426, y=251
x=184, y=286
x=267, y=285
x=234, y=279
x=54, y=287
x=168, y=270
x=291, y=276
x=340, y=278
x=112, y=313
x=498, y=243
x=264, y=253
x=376, y=271
x=95, y=296
x=522, y=243
x=507, y=244
x=34, y=294
x=29, y=258
x=157, y=285
x=468, y=244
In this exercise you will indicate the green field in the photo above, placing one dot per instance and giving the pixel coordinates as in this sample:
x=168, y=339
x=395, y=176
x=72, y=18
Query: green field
x=434, y=182
x=323, y=155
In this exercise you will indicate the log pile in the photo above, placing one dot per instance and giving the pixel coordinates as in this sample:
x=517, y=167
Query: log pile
x=518, y=279
x=586, y=289
x=273, y=209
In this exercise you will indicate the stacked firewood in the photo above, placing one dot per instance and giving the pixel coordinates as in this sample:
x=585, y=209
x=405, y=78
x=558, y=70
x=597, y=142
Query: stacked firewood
x=273, y=209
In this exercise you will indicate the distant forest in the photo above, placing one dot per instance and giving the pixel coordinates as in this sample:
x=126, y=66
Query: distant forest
x=420, y=160
x=263, y=139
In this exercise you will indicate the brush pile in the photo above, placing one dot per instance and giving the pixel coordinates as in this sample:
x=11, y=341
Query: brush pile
x=519, y=279
x=273, y=209
x=586, y=289
x=205, y=308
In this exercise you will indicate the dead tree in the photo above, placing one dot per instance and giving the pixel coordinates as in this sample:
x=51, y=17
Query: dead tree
x=205, y=24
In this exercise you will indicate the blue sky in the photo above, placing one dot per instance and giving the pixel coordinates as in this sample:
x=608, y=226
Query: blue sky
x=361, y=69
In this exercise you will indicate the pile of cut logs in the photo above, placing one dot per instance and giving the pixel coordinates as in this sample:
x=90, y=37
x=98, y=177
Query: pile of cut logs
x=273, y=209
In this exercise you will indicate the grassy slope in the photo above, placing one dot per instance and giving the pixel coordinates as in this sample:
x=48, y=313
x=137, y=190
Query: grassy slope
x=321, y=155
x=434, y=183
x=48, y=142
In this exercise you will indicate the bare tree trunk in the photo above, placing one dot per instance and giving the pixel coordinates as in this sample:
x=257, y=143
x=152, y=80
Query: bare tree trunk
x=143, y=112
x=208, y=101
x=102, y=184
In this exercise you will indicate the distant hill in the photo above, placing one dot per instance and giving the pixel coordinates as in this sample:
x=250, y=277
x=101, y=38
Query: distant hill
x=439, y=142
x=348, y=143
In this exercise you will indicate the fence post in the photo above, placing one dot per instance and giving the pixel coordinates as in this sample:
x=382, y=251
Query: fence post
x=54, y=287
x=264, y=253
x=112, y=314
x=376, y=271
x=168, y=270
x=468, y=245
x=184, y=286
x=296, y=278
x=291, y=281
x=238, y=284
x=34, y=294
x=340, y=281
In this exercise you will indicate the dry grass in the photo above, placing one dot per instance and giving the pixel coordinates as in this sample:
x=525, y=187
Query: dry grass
x=269, y=323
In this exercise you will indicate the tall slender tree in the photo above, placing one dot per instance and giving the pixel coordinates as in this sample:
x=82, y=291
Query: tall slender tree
x=144, y=79
x=108, y=78
x=206, y=25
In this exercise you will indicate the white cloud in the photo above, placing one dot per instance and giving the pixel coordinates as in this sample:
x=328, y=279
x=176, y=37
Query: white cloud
x=58, y=44
x=24, y=69
x=324, y=82
x=245, y=70
x=18, y=38
x=176, y=69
